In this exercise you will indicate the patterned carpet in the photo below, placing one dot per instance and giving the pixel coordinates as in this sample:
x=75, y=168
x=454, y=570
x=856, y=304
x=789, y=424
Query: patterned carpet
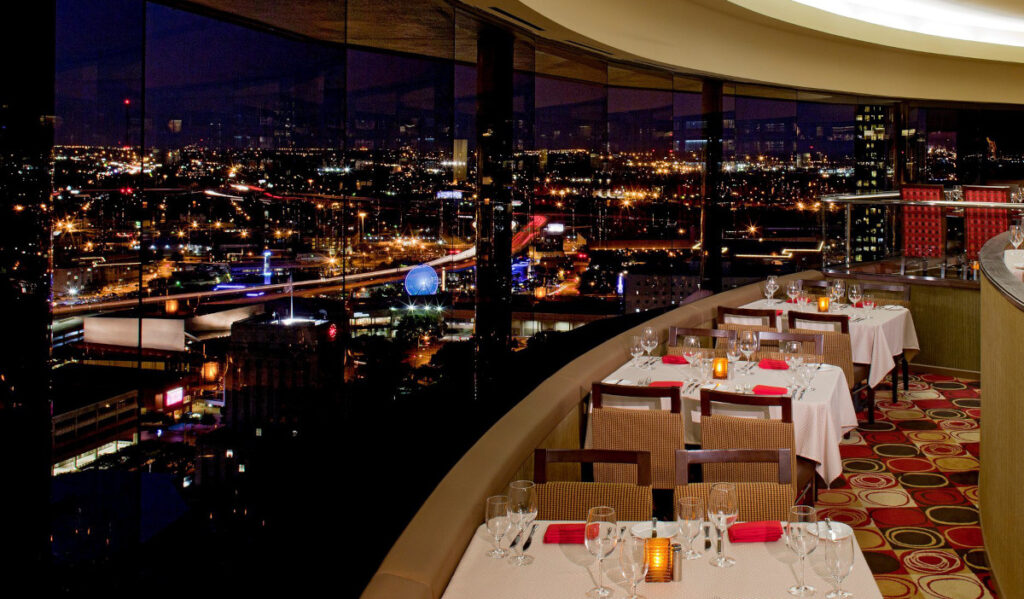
x=910, y=490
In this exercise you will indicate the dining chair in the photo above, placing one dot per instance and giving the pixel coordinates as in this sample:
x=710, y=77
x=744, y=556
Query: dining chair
x=924, y=227
x=757, y=501
x=655, y=431
x=750, y=317
x=982, y=224
x=571, y=500
x=838, y=352
x=722, y=431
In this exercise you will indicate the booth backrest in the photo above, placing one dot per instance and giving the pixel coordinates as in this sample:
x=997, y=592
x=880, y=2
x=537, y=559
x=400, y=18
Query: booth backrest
x=422, y=560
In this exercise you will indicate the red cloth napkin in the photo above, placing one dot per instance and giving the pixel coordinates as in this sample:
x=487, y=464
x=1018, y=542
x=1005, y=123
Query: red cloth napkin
x=859, y=304
x=773, y=364
x=666, y=384
x=755, y=532
x=564, y=533
x=778, y=312
x=672, y=359
x=769, y=390
x=791, y=301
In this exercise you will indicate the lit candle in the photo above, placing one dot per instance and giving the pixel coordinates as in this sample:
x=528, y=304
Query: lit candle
x=720, y=368
x=659, y=559
x=823, y=304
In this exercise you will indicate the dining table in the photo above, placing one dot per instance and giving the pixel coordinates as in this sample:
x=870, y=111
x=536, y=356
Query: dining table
x=822, y=412
x=877, y=335
x=559, y=571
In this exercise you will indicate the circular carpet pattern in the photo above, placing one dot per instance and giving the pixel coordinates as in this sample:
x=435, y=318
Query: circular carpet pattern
x=909, y=490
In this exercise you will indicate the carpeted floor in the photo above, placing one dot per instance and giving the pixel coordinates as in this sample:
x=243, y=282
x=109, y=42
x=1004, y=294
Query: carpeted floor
x=910, y=490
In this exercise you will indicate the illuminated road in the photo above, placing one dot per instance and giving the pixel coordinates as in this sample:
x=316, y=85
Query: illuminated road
x=462, y=260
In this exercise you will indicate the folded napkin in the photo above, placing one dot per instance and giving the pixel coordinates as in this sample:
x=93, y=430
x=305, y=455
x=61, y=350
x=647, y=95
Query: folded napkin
x=791, y=301
x=768, y=364
x=769, y=390
x=778, y=312
x=564, y=533
x=755, y=532
x=666, y=384
x=673, y=359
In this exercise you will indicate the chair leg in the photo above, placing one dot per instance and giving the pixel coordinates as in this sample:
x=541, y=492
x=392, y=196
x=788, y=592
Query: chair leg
x=896, y=383
x=870, y=393
x=903, y=265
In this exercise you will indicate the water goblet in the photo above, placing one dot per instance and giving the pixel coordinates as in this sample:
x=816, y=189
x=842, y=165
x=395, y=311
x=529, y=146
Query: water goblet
x=601, y=533
x=690, y=517
x=634, y=561
x=522, y=510
x=723, y=509
x=498, y=522
x=802, y=538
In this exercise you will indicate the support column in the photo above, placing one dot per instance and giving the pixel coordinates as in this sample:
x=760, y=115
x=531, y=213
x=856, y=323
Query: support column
x=712, y=185
x=494, y=122
x=26, y=140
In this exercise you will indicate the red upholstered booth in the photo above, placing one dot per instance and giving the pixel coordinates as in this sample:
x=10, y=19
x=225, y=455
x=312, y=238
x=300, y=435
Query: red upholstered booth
x=983, y=224
x=924, y=227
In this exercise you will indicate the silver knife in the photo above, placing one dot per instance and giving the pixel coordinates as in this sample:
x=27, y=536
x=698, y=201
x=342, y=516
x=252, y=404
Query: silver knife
x=515, y=540
x=529, y=539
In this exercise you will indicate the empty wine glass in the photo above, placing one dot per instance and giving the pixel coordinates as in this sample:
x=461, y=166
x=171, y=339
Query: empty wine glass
x=855, y=293
x=690, y=517
x=649, y=338
x=840, y=286
x=770, y=287
x=732, y=350
x=838, y=562
x=793, y=290
x=636, y=349
x=748, y=344
x=522, y=510
x=868, y=301
x=1016, y=236
x=634, y=561
x=802, y=538
x=498, y=522
x=601, y=533
x=723, y=509
x=691, y=348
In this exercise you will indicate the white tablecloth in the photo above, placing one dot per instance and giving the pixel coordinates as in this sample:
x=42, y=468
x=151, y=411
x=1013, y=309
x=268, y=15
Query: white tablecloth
x=1014, y=260
x=876, y=335
x=820, y=418
x=568, y=571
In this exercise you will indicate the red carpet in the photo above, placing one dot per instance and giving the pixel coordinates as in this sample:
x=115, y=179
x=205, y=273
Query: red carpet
x=910, y=490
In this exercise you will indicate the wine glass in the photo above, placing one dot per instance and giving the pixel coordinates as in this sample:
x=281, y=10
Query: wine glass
x=704, y=363
x=498, y=522
x=838, y=562
x=634, y=561
x=601, y=533
x=791, y=353
x=855, y=293
x=802, y=538
x=1016, y=236
x=522, y=509
x=868, y=301
x=636, y=349
x=723, y=509
x=690, y=516
x=691, y=348
x=748, y=344
x=649, y=338
x=732, y=350
x=793, y=290
x=840, y=291
x=771, y=285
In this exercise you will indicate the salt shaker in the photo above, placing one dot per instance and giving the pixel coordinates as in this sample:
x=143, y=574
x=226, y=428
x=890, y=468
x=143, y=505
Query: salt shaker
x=677, y=562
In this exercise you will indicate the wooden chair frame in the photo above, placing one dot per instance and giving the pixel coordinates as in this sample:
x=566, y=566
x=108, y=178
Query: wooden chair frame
x=768, y=313
x=543, y=457
x=707, y=396
x=842, y=319
x=675, y=332
x=598, y=390
x=817, y=340
x=685, y=457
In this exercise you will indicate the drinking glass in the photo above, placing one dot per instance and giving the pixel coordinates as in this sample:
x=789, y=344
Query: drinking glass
x=498, y=523
x=748, y=344
x=690, y=516
x=601, y=533
x=704, y=363
x=868, y=301
x=840, y=291
x=723, y=509
x=838, y=562
x=732, y=350
x=770, y=287
x=649, y=338
x=802, y=538
x=791, y=353
x=1016, y=236
x=793, y=290
x=636, y=349
x=634, y=561
x=855, y=293
x=691, y=348
x=522, y=510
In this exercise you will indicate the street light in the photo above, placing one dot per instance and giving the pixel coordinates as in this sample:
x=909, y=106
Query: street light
x=362, y=219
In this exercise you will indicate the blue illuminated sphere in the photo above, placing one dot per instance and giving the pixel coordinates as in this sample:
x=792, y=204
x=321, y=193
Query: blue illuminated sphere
x=421, y=280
